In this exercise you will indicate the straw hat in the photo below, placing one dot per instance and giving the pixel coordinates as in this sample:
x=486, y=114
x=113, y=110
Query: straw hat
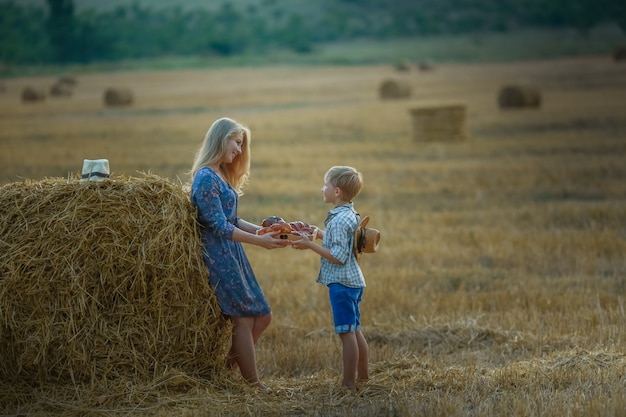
x=365, y=239
x=95, y=170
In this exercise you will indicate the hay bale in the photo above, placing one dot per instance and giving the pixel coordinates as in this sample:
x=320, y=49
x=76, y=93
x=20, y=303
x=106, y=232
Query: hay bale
x=425, y=66
x=61, y=89
x=68, y=80
x=519, y=96
x=619, y=54
x=441, y=122
x=33, y=94
x=394, y=89
x=115, y=96
x=403, y=66
x=100, y=281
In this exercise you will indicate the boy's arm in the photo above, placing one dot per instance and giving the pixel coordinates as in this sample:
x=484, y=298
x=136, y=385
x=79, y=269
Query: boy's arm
x=319, y=249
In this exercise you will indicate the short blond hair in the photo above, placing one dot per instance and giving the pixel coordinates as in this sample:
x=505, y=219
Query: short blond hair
x=347, y=179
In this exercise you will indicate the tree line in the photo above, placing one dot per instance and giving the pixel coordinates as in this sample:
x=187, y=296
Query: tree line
x=60, y=34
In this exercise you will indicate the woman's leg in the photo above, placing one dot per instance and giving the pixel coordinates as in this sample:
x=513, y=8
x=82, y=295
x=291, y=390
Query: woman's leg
x=231, y=359
x=260, y=324
x=242, y=349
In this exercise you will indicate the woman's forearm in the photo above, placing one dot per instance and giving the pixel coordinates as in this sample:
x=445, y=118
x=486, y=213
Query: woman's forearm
x=247, y=226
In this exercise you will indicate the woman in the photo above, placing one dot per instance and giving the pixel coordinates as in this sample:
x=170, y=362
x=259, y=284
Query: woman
x=219, y=173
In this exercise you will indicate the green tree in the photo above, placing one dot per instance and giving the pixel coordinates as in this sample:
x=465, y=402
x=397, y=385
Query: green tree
x=22, y=37
x=295, y=35
x=61, y=26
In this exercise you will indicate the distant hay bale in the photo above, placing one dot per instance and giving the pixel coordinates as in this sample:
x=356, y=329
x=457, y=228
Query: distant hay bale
x=60, y=89
x=425, y=66
x=32, y=94
x=115, y=96
x=100, y=281
x=519, y=96
x=68, y=80
x=440, y=122
x=403, y=66
x=619, y=54
x=393, y=89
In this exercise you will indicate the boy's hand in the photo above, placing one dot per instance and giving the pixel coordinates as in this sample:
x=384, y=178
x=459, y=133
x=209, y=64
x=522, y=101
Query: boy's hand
x=302, y=244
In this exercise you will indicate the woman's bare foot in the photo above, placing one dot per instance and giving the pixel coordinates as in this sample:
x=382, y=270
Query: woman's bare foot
x=262, y=387
x=350, y=387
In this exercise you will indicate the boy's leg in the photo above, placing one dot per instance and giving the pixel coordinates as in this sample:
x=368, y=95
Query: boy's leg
x=344, y=302
x=350, y=358
x=364, y=357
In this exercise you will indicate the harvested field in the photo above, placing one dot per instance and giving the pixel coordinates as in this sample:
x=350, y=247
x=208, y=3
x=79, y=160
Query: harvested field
x=499, y=285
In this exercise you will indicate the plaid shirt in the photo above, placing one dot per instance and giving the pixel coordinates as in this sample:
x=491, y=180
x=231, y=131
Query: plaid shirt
x=340, y=226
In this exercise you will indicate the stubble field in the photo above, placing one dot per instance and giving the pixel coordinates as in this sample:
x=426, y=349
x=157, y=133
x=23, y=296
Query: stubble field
x=499, y=288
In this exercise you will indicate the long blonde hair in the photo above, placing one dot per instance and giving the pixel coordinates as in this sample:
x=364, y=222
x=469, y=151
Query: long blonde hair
x=214, y=147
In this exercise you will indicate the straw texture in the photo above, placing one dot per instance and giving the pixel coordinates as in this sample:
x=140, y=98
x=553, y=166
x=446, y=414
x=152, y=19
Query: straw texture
x=100, y=281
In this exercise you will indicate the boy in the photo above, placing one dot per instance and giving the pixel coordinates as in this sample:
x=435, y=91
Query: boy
x=340, y=271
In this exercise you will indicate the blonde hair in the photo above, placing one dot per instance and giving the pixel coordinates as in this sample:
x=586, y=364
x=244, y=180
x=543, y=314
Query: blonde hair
x=214, y=147
x=347, y=179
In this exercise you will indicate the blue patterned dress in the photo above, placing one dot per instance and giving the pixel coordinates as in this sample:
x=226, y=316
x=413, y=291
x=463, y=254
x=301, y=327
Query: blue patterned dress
x=230, y=273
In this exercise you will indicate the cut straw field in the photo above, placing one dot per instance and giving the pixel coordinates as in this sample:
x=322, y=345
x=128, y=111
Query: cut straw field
x=500, y=285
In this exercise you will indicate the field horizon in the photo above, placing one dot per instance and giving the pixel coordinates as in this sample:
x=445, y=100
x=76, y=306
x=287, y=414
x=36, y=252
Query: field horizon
x=499, y=286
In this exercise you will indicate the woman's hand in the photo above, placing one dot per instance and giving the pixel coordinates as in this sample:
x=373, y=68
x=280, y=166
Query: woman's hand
x=267, y=241
x=272, y=241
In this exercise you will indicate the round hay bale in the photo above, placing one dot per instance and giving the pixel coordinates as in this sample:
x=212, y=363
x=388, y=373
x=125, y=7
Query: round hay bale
x=619, y=54
x=104, y=280
x=519, y=96
x=439, y=122
x=32, y=95
x=68, y=79
x=114, y=96
x=394, y=89
x=425, y=66
x=61, y=89
x=403, y=66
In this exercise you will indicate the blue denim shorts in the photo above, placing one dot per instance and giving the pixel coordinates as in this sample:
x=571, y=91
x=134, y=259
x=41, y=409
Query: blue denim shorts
x=344, y=302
